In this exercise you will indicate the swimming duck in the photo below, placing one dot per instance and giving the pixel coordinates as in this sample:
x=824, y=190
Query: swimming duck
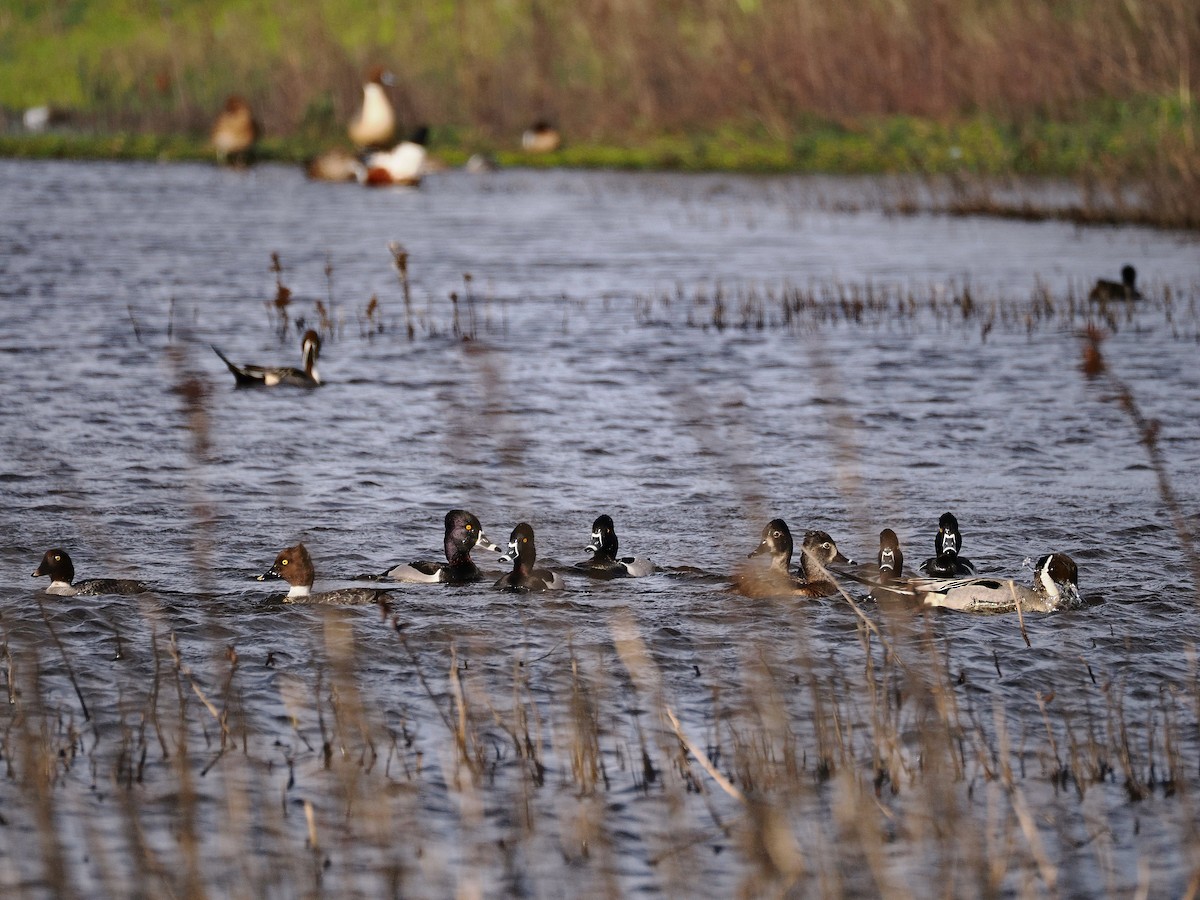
x=524, y=577
x=604, y=562
x=890, y=559
x=235, y=132
x=375, y=123
x=1055, y=586
x=817, y=551
x=403, y=165
x=57, y=565
x=884, y=578
x=946, y=563
x=294, y=566
x=541, y=137
x=463, y=534
x=260, y=376
x=1125, y=289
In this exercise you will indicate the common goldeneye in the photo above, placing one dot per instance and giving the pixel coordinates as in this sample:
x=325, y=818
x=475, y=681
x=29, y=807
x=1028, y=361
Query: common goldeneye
x=604, y=562
x=463, y=534
x=946, y=562
x=262, y=376
x=57, y=565
x=294, y=566
x=524, y=577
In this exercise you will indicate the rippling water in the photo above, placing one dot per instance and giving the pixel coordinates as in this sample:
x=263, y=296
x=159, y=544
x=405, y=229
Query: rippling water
x=628, y=352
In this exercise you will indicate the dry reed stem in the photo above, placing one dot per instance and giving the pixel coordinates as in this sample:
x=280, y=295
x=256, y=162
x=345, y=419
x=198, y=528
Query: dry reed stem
x=705, y=763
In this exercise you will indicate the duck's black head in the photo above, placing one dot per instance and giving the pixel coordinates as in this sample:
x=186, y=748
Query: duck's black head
x=1128, y=276
x=604, y=539
x=776, y=541
x=463, y=532
x=520, y=542
x=949, y=539
x=890, y=559
x=57, y=565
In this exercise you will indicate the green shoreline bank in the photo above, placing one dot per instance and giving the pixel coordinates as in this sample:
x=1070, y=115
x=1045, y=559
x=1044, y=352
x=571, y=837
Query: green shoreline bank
x=1134, y=167
x=1115, y=142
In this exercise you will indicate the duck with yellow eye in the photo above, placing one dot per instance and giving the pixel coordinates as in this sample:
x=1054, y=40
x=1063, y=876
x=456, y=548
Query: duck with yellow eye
x=57, y=566
x=524, y=576
x=463, y=534
x=295, y=566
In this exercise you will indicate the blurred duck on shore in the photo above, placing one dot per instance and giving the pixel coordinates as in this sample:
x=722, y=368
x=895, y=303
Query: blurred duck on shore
x=336, y=165
x=374, y=126
x=541, y=137
x=404, y=164
x=235, y=132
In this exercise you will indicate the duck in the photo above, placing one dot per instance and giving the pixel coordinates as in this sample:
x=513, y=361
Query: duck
x=541, y=137
x=56, y=564
x=335, y=165
x=524, y=577
x=235, y=132
x=1055, y=587
x=818, y=550
x=261, y=376
x=463, y=534
x=374, y=125
x=294, y=565
x=946, y=561
x=1125, y=289
x=604, y=562
x=403, y=165
x=890, y=559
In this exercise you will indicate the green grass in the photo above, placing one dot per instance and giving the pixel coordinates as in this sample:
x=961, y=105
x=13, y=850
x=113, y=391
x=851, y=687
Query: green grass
x=1116, y=135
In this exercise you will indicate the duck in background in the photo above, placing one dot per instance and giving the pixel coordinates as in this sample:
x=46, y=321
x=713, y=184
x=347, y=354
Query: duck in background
x=524, y=576
x=463, y=534
x=1125, y=289
x=295, y=566
x=403, y=165
x=946, y=561
x=374, y=125
x=57, y=566
x=541, y=137
x=336, y=165
x=604, y=562
x=1055, y=587
x=235, y=132
x=261, y=376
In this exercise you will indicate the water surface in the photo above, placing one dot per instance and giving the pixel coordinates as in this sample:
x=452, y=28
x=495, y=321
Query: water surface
x=580, y=343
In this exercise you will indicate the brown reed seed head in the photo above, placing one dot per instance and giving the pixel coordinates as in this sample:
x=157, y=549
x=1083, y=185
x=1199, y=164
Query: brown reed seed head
x=1093, y=359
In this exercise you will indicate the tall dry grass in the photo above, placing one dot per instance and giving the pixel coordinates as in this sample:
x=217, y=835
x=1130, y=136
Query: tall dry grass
x=376, y=752
x=603, y=68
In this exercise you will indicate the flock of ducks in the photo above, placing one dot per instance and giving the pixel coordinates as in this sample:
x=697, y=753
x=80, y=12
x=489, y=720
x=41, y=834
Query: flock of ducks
x=377, y=158
x=821, y=572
